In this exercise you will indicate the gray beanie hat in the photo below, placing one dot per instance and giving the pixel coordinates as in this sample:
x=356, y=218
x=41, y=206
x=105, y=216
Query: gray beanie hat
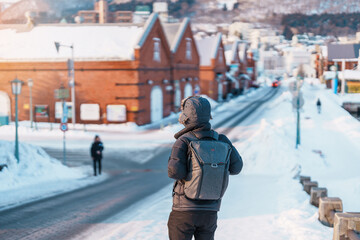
x=195, y=110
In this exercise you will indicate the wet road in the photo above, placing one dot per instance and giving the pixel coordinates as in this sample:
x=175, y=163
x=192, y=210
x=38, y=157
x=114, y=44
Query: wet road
x=66, y=215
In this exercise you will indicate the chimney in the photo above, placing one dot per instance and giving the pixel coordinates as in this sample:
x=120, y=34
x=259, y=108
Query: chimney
x=103, y=11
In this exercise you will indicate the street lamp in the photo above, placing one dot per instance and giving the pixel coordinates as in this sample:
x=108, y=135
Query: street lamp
x=334, y=68
x=72, y=77
x=16, y=85
x=30, y=84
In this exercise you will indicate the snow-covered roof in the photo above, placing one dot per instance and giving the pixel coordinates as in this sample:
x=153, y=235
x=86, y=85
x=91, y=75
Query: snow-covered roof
x=208, y=48
x=174, y=33
x=343, y=51
x=91, y=42
x=230, y=54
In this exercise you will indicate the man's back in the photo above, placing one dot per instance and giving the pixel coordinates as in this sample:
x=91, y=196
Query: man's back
x=194, y=217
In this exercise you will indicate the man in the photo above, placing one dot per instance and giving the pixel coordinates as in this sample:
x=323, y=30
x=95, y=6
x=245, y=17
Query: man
x=195, y=217
x=318, y=104
x=96, y=153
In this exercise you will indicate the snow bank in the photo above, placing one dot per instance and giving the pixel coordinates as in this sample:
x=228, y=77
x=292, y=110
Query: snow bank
x=35, y=167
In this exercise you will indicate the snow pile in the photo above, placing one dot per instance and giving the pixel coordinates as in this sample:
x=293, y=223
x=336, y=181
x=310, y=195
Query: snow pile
x=35, y=167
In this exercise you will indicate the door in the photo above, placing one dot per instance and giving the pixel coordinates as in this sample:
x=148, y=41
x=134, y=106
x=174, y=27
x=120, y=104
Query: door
x=188, y=92
x=220, y=91
x=156, y=104
x=4, y=108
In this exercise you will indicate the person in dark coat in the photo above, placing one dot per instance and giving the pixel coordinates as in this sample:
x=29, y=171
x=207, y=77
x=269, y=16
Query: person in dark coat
x=318, y=104
x=189, y=217
x=96, y=153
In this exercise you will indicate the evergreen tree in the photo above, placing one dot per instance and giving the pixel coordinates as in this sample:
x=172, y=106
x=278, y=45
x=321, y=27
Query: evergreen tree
x=288, y=34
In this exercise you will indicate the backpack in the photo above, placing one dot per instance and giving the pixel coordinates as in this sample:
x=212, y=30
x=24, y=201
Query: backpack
x=208, y=175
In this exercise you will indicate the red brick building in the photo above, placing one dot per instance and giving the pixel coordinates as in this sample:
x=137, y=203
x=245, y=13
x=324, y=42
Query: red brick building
x=122, y=72
x=212, y=66
x=185, y=60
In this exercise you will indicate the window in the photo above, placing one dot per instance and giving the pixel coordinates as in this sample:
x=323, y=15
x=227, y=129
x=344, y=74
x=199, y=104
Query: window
x=188, y=49
x=221, y=59
x=156, y=49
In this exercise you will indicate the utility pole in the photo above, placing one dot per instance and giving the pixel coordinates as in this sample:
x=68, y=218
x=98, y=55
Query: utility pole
x=71, y=69
x=297, y=101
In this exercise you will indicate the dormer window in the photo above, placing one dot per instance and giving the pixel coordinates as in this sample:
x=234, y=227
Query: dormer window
x=188, y=49
x=156, y=49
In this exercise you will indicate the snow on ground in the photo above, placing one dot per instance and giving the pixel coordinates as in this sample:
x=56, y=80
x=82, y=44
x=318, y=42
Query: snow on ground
x=264, y=201
x=20, y=182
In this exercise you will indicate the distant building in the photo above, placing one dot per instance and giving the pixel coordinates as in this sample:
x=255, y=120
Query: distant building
x=101, y=14
x=185, y=61
x=212, y=66
x=118, y=79
x=89, y=16
x=141, y=14
x=162, y=9
x=294, y=57
x=345, y=56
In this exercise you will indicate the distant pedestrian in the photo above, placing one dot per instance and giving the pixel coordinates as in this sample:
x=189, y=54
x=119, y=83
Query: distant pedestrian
x=200, y=162
x=96, y=153
x=318, y=104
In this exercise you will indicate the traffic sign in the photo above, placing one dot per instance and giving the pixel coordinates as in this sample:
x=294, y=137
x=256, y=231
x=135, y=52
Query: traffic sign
x=64, y=117
x=298, y=104
x=62, y=93
x=64, y=127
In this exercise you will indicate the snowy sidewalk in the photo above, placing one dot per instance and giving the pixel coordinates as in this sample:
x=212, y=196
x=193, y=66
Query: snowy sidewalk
x=264, y=201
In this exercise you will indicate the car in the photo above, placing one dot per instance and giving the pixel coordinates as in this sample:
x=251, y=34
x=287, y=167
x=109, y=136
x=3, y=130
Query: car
x=275, y=83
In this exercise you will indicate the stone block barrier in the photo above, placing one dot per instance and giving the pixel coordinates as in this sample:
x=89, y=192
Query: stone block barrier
x=347, y=226
x=315, y=194
x=308, y=185
x=328, y=206
x=303, y=179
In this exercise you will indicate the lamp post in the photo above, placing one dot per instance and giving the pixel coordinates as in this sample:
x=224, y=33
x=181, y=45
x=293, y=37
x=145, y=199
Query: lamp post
x=72, y=77
x=16, y=85
x=30, y=84
x=334, y=68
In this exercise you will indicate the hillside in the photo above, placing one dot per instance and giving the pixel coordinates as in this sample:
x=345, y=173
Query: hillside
x=50, y=10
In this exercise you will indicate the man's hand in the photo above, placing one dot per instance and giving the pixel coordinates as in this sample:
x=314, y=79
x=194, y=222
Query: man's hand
x=98, y=152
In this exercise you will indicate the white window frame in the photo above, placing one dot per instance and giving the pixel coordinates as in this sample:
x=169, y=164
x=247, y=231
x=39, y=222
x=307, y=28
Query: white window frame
x=157, y=57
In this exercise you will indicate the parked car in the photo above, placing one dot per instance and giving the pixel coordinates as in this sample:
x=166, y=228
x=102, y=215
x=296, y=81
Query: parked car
x=275, y=83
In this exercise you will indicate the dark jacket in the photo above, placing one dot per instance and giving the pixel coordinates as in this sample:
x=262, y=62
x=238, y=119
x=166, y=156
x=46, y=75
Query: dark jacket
x=178, y=169
x=97, y=146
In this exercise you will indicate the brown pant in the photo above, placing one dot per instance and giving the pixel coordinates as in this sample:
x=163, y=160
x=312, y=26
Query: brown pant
x=184, y=225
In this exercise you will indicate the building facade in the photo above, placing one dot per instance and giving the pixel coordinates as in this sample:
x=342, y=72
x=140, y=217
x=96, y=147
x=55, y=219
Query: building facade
x=212, y=66
x=132, y=84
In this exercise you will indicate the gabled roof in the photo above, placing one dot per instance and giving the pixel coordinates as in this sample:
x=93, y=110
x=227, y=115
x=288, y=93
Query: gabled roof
x=343, y=51
x=208, y=48
x=174, y=33
x=91, y=41
x=232, y=52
